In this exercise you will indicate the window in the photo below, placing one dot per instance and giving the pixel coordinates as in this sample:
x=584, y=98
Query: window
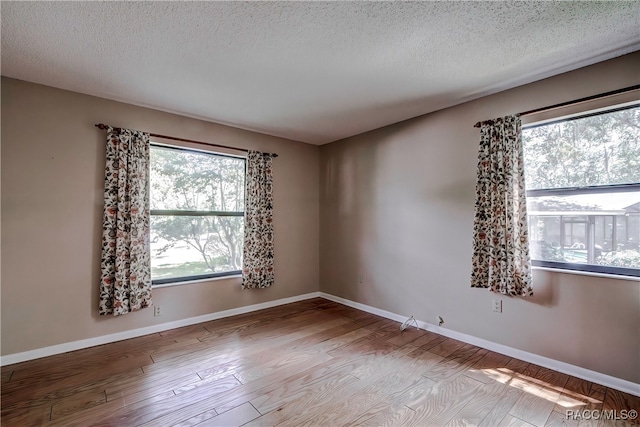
x=583, y=191
x=197, y=214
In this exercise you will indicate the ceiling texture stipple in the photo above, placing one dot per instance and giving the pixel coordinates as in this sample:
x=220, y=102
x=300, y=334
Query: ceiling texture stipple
x=314, y=72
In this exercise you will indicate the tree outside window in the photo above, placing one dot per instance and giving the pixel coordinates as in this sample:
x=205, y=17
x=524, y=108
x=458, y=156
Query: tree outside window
x=583, y=192
x=197, y=214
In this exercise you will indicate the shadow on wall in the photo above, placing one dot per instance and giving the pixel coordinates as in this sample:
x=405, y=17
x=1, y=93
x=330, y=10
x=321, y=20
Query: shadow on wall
x=545, y=289
x=347, y=200
x=98, y=210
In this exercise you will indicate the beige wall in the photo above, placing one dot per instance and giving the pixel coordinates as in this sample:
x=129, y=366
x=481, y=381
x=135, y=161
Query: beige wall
x=397, y=208
x=52, y=184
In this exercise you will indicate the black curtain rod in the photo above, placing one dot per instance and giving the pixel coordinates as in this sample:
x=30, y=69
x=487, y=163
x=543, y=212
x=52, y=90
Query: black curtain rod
x=564, y=104
x=157, y=135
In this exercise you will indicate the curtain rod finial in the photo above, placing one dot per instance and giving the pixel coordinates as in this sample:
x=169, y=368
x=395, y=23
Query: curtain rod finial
x=100, y=126
x=477, y=125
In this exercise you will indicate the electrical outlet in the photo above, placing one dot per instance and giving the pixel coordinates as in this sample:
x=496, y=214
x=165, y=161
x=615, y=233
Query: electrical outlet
x=497, y=306
x=156, y=310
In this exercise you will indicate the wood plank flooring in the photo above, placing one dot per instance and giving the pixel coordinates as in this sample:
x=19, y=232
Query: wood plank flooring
x=311, y=363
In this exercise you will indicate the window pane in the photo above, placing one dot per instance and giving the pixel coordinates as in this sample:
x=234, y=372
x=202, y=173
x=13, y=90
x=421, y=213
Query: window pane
x=190, y=180
x=545, y=238
x=597, y=150
x=201, y=245
x=599, y=229
x=604, y=231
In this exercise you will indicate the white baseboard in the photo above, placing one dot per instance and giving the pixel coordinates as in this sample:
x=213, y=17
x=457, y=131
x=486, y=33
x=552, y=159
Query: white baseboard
x=133, y=333
x=576, y=371
x=556, y=365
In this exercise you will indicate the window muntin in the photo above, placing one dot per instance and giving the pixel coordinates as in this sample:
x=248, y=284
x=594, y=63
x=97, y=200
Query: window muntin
x=197, y=214
x=583, y=192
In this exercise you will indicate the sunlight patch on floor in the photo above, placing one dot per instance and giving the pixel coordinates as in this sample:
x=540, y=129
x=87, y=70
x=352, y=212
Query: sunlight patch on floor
x=539, y=388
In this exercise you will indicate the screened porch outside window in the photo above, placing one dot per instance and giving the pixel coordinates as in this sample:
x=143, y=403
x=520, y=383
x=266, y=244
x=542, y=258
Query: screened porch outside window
x=583, y=191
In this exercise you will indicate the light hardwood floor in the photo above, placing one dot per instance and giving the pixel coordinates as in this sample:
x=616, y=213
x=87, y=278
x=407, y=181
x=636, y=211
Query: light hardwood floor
x=313, y=362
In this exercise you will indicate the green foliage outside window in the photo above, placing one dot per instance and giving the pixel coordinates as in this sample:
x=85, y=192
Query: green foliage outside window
x=204, y=193
x=585, y=226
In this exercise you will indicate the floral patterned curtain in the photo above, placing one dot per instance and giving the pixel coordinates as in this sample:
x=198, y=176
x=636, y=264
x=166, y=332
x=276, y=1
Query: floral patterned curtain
x=257, y=269
x=500, y=236
x=125, y=284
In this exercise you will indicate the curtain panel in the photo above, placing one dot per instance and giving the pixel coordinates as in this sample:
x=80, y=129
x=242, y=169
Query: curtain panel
x=500, y=235
x=257, y=269
x=125, y=283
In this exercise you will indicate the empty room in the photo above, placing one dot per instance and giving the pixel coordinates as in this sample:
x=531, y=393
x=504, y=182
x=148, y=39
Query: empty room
x=320, y=213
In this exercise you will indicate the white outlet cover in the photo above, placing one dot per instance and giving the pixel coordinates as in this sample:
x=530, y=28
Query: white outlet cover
x=497, y=305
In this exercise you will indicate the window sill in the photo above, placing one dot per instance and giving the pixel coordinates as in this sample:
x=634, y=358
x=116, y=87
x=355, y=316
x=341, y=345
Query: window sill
x=191, y=282
x=587, y=273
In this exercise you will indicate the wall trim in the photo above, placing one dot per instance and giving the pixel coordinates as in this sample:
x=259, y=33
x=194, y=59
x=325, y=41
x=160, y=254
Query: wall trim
x=566, y=368
x=38, y=353
x=556, y=365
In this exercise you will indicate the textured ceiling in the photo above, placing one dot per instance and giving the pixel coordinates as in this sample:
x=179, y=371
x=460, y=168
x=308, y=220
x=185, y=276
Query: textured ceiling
x=309, y=71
